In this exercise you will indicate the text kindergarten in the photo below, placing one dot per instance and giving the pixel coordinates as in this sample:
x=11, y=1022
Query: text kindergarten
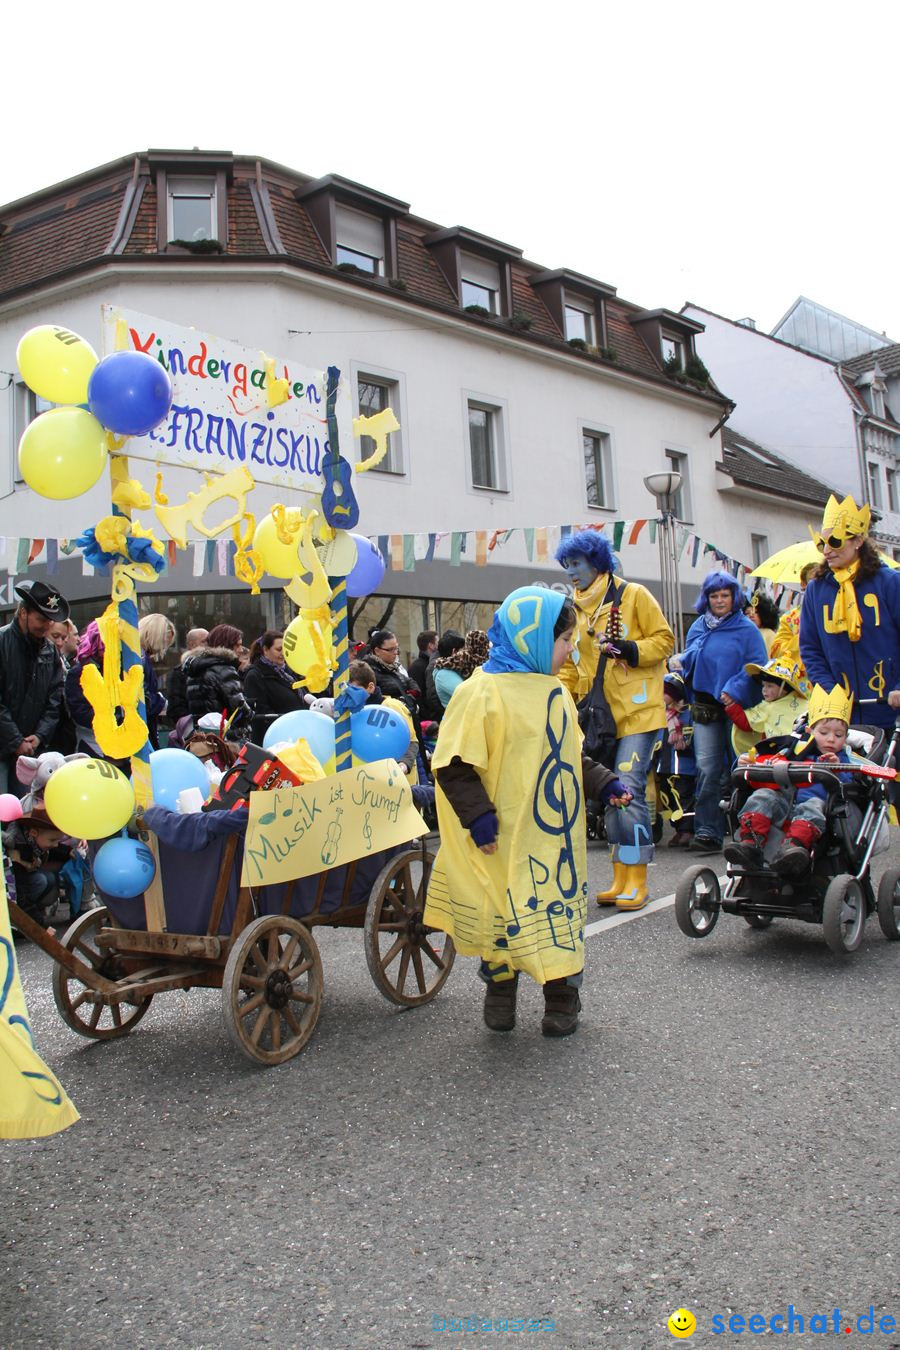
x=220, y=414
x=300, y=831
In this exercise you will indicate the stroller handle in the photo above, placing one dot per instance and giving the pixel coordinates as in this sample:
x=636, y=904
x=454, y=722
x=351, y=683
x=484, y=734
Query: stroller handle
x=785, y=774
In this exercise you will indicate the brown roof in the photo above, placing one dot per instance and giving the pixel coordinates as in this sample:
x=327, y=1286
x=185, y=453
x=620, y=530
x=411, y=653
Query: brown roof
x=751, y=464
x=111, y=212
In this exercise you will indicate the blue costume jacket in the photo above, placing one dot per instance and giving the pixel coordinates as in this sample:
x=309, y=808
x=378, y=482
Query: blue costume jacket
x=869, y=668
x=715, y=663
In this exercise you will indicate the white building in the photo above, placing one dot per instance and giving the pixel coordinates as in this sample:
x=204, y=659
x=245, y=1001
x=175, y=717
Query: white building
x=528, y=398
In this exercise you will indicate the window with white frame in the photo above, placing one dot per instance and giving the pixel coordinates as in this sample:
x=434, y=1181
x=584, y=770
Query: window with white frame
x=597, y=467
x=673, y=351
x=579, y=323
x=26, y=406
x=487, y=457
x=874, y=477
x=678, y=461
x=759, y=548
x=479, y=283
x=191, y=209
x=893, y=489
x=374, y=393
x=359, y=240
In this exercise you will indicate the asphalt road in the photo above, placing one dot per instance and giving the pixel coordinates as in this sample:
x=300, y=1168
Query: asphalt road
x=721, y=1133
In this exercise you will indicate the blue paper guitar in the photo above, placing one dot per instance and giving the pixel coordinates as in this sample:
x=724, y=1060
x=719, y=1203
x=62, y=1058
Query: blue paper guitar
x=339, y=505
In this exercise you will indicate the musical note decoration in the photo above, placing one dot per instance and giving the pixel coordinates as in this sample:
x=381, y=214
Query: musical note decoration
x=630, y=854
x=557, y=796
x=332, y=838
x=640, y=697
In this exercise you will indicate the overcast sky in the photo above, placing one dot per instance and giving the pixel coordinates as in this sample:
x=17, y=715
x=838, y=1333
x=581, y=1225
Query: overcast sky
x=732, y=154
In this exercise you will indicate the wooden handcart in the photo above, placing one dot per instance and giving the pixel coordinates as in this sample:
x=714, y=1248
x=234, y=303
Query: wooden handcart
x=267, y=964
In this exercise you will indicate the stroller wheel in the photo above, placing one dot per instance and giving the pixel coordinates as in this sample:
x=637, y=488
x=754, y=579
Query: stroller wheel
x=697, y=901
x=889, y=904
x=758, y=920
x=843, y=914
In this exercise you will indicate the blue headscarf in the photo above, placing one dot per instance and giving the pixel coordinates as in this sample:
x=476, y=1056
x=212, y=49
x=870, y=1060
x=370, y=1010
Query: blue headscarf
x=522, y=632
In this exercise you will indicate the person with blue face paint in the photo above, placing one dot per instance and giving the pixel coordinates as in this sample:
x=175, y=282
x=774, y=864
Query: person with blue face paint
x=509, y=883
x=622, y=622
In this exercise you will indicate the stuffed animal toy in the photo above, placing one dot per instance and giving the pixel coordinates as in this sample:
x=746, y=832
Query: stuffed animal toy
x=35, y=772
x=319, y=705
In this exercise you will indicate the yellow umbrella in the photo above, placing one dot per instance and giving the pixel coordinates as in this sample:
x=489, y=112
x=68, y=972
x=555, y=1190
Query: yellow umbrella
x=785, y=566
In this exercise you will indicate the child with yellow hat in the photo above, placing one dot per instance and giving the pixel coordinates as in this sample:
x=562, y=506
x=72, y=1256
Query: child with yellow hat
x=785, y=692
x=803, y=817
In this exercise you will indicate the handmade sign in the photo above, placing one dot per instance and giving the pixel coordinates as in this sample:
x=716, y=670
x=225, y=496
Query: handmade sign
x=321, y=825
x=233, y=405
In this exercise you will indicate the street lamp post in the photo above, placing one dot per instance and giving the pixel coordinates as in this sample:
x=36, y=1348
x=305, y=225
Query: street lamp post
x=664, y=486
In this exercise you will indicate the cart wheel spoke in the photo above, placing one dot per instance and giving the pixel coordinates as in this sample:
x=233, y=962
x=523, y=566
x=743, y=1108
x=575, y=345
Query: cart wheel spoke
x=404, y=968
x=288, y=1014
x=288, y=955
x=96, y=1014
x=93, y=954
x=303, y=967
x=252, y=1004
x=393, y=953
x=276, y=1031
x=116, y=1014
x=417, y=965
x=298, y=996
x=259, y=1024
x=432, y=955
x=252, y=981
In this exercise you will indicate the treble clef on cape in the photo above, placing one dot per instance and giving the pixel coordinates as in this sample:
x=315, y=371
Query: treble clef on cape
x=339, y=505
x=557, y=796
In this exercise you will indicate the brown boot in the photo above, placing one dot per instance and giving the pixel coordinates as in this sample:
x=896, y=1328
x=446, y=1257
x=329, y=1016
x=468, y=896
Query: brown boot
x=561, y=1008
x=500, y=1004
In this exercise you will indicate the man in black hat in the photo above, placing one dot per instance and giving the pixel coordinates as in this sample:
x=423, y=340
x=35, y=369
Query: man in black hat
x=31, y=677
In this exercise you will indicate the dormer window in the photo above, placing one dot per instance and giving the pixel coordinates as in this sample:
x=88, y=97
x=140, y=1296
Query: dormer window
x=192, y=210
x=479, y=283
x=579, y=322
x=359, y=241
x=672, y=351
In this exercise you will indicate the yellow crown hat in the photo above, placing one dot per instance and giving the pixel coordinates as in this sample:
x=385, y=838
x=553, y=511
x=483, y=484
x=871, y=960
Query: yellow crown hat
x=842, y=520
x=837, y=703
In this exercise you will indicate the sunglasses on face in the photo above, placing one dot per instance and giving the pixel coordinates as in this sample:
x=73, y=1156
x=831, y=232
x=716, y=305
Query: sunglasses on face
x=832, y=542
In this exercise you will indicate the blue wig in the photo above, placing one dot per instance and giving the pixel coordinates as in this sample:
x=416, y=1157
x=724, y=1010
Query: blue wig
x=590, y=544
x=720, y=581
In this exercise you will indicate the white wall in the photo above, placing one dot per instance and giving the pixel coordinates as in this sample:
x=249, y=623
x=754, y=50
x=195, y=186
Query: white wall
x=546, y=396
x=788, y=401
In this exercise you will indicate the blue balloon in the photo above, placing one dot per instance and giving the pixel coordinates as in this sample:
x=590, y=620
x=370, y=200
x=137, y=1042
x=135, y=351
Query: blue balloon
x=316, y=728
x=368, y=570
x=378, y=733
x=171, y=771
x=129, y=393
x=124, y=868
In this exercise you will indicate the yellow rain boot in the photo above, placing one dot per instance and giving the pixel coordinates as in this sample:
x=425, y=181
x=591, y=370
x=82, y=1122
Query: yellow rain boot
x=616, y=886
x=633, y=894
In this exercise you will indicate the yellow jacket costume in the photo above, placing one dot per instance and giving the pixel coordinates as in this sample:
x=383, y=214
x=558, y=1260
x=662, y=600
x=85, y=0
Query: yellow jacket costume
x=634, y=693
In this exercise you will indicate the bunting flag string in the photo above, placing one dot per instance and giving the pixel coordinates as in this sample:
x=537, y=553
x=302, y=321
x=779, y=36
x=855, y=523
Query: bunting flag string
x=402, y=552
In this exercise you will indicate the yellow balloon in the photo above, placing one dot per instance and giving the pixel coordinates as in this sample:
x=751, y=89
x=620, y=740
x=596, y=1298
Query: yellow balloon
x=63, y=452
x=56, y=363
x=89, y=799
x=279, y=560
x=306, y=645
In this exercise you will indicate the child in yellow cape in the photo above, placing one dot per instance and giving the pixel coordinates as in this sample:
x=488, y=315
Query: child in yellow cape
x=509, y=883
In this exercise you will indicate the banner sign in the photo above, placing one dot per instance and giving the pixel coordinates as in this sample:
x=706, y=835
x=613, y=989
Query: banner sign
x=300, y=831
x=222, y=415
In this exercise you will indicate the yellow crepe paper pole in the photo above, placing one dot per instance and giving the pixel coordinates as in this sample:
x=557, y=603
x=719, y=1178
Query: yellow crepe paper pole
x=343, y=754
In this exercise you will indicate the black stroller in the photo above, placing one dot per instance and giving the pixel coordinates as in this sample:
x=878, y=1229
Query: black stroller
x=836, y=891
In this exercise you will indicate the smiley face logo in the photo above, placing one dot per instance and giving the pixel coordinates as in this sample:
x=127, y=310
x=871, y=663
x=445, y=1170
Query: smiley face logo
x=682, y=1323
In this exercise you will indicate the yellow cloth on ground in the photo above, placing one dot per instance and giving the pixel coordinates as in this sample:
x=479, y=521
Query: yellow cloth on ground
x=634, y=693
x=32, y=1103
x=768, y=719
x=524, y=904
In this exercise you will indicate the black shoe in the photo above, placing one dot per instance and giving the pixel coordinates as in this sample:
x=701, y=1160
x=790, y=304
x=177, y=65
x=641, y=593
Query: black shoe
x=561, y=1008
x=746, y=853
x=791, y=860
x=700, y=844
x=500, y=1004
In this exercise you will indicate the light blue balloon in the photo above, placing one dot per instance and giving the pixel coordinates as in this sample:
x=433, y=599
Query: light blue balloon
x=378, y=733
x=171, y=771
x=124, y=868
x=316, y=728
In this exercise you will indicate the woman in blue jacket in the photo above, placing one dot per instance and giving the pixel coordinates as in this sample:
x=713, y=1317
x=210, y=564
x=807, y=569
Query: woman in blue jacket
x=719, y=644
x=850, y=620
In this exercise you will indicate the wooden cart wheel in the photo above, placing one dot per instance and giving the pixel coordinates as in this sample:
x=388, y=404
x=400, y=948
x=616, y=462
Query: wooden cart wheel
x=272, y=989
x=98, y=1021
x=408, y=960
